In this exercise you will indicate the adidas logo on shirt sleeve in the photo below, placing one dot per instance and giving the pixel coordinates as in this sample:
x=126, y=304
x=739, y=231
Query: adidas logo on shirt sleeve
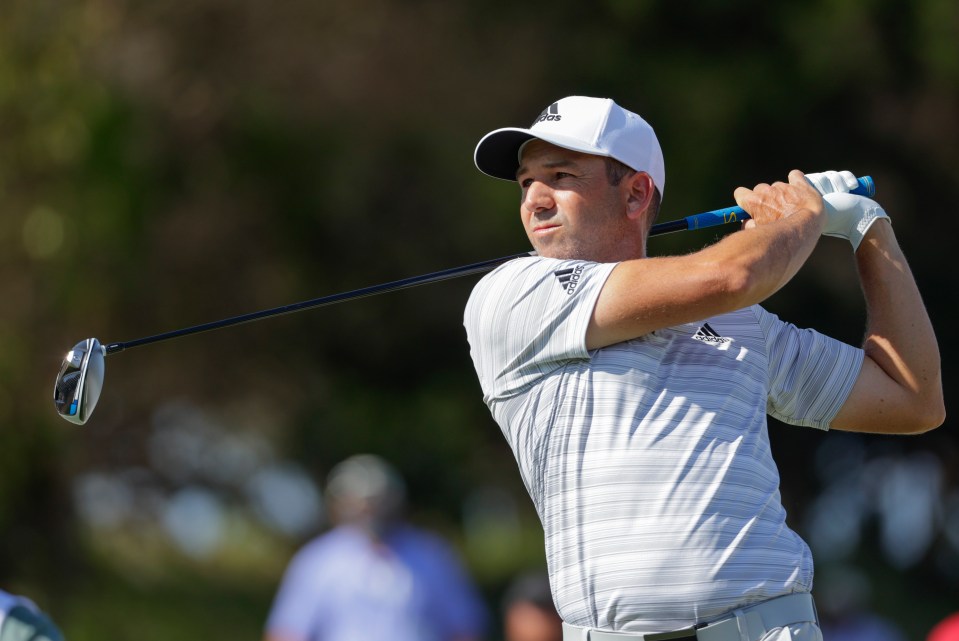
x=569, y=278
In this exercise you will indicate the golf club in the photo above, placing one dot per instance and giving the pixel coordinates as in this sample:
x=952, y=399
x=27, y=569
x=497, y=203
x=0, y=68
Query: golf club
x=80, y=381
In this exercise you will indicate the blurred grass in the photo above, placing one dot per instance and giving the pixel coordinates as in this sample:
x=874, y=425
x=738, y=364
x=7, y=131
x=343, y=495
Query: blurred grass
x=186, y=602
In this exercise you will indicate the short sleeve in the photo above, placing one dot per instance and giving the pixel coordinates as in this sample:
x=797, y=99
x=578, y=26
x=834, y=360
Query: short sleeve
x=529, y=317
x=810, y=374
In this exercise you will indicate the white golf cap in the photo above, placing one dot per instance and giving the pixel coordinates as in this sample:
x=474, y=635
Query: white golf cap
x=590, y=125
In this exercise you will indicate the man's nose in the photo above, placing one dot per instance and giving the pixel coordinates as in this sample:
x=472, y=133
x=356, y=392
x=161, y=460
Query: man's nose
x=538, y=198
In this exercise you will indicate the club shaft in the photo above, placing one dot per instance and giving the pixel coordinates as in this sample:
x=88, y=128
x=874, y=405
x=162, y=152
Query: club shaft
x=712, y=218
x=406, y=283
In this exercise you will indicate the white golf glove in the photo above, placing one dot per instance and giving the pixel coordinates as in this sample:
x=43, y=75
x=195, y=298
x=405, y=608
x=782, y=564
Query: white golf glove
x=847, y=215
x=829, y=182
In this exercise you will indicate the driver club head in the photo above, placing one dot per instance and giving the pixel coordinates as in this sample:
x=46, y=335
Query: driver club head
x=80, y=380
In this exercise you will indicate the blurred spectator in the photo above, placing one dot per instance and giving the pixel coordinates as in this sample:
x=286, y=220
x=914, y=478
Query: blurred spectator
x=528, y=610
x=946, y=630
x=22, y=620
x=373, y=576
x=842, y=596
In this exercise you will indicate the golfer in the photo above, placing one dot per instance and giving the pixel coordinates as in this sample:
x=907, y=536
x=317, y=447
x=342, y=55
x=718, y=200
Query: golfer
x=634, y=391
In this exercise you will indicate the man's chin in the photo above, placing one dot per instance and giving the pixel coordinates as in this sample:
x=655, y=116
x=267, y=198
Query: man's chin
x=558, y=251
x=547, y=249
x=550, y=252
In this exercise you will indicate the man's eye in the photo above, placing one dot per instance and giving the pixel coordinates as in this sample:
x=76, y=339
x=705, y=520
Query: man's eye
x=526, y=182
x=563, y=174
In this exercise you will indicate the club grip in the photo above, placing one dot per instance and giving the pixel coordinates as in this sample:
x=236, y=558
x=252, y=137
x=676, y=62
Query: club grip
x=867, y=187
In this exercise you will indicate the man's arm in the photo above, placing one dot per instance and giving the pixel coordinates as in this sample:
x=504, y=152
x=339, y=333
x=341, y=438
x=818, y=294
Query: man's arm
x=743, y=269
x=899, y=389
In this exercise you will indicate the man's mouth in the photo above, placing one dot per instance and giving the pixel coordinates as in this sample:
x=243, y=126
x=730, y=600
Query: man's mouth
x=543, y=229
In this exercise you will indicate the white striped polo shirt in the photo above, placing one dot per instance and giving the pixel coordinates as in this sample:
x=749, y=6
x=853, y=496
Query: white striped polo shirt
x=648, y=461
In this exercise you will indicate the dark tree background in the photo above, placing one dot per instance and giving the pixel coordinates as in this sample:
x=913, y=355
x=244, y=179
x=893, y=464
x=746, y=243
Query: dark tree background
x=167, y=164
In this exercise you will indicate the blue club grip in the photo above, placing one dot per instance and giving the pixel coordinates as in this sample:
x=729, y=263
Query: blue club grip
x=866, y=187
x=736, y=214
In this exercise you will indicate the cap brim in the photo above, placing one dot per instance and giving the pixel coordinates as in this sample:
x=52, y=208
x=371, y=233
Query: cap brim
x=497, y=153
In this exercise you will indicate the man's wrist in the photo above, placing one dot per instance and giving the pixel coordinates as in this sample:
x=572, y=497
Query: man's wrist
x=812, y=218
x=879, y=231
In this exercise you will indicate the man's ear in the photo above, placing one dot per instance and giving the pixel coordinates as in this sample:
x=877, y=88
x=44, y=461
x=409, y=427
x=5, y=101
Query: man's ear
x=640, y=193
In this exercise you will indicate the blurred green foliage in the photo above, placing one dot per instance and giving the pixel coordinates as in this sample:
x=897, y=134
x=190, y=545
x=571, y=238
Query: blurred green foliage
x=166, y=164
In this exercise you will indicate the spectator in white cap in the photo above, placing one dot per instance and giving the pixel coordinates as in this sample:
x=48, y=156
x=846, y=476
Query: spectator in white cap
x=634, y=391
x=373, y=576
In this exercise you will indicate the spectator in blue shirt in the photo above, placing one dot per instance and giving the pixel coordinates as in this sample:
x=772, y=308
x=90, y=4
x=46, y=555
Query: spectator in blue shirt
x=374, y=576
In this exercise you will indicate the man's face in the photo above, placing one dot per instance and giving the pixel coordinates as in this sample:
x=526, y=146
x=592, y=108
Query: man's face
x=568, y=207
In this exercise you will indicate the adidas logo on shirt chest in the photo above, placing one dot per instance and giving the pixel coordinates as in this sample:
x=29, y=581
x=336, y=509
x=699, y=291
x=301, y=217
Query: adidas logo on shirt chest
x=707, y=334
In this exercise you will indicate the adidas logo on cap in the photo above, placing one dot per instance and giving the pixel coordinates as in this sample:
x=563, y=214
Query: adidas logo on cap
x=551, y=113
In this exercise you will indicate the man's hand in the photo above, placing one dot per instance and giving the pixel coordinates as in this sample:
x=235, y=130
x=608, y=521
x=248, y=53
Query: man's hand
x=847, y=216
x=831, y=182
x=850, y=216
x=768, y=203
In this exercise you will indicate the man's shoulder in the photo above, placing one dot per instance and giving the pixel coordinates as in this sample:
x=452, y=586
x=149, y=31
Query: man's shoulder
x=524, y=273
x=502, y=280
x=332, y=542
x=516, y=266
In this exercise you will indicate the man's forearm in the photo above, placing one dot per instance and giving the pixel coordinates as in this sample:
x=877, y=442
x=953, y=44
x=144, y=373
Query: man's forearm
x=770, y=254
x=899, y=335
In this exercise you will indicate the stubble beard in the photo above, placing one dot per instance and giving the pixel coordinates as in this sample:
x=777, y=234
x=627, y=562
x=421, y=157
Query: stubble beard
x=605, y=246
